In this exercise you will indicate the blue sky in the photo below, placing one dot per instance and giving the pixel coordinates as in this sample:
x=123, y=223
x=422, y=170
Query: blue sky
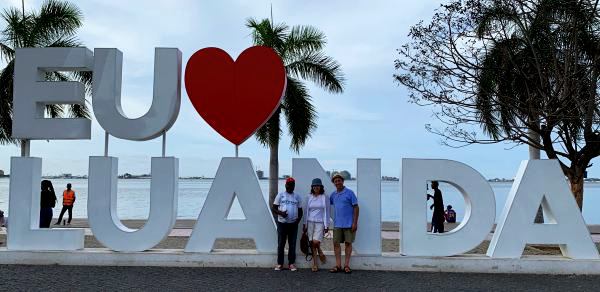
x=371, y=119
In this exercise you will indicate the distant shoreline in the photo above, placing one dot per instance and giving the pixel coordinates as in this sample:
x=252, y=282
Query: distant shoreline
x=591, y=180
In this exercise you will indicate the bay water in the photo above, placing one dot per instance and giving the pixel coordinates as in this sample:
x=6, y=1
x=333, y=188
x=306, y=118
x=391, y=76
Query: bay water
x=134, y=198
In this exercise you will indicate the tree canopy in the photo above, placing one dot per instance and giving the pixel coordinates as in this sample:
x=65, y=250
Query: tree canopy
x=496, y=70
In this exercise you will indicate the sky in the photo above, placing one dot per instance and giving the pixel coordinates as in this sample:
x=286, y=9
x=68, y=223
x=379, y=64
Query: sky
x=372, y=118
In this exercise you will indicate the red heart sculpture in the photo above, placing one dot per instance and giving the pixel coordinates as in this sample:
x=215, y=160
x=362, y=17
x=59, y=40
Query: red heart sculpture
x=235, y=97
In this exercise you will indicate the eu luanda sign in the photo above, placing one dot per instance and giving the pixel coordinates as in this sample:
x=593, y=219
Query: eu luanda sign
x=251, y=88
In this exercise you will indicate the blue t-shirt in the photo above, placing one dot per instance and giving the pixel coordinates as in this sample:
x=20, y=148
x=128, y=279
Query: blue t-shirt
x=289, y=203
x=343, y=203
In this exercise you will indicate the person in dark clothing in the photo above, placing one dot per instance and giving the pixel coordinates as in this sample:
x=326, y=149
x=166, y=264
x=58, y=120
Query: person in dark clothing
x=47, y=202
x=438, y=218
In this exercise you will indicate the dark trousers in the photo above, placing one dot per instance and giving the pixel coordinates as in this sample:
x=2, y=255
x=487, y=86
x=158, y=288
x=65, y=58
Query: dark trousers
x=437, y=223
x=62, y=212
x=289, y=232
x=45, y=217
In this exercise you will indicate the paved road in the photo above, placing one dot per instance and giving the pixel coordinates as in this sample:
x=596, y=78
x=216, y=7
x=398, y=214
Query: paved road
x=72, y=278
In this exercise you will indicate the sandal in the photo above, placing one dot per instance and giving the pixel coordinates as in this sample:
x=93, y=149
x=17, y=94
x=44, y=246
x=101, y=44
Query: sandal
x=315, y=268
x=323, y=258
x=335, y=269
x=347, y=270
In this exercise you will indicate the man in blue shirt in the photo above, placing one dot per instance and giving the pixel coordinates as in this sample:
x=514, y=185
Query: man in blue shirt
x=345, y=222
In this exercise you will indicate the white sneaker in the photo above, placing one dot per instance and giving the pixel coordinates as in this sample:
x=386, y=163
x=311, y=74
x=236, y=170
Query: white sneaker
x=293, y=268
x=278, y=268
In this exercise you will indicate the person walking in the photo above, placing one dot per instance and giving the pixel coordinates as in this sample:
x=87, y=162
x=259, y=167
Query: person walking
x=316, y=220
x=68, y=201
x=47, y=202
x=345, y=222
x=288, y=207
x=438, y=218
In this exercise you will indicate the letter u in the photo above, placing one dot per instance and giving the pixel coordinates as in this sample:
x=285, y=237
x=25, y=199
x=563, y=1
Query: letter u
x=102, y=204
x=106, y=92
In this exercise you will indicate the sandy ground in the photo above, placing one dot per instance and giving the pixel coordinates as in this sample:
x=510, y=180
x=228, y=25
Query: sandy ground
x=179, y=242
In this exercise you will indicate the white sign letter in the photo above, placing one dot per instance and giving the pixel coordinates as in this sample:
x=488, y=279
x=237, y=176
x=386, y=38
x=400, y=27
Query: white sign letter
x=235, y=177
x=541, y=182
x=368, y=236
x=24, y=205
x=108, y=65
x=102, y=204
x=480, y=208
x=32, y=93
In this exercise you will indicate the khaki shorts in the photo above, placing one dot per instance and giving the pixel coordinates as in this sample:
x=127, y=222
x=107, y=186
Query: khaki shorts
x=341, y=235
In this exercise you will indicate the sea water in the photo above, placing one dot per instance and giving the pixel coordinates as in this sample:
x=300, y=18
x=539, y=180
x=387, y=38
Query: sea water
x=134, y=198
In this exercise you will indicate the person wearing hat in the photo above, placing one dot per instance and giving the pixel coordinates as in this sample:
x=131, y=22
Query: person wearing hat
x=316, y=219
x=345, y=222
x=288, y=208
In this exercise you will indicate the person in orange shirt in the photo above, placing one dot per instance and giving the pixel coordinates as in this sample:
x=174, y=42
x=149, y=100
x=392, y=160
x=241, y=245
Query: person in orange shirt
x=68, y=201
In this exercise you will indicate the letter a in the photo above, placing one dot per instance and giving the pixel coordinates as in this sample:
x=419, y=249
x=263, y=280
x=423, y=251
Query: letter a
x=235, y=176
x=541, y=182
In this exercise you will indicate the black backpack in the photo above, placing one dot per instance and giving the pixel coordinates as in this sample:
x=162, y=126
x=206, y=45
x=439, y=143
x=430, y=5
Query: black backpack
x=305, y=246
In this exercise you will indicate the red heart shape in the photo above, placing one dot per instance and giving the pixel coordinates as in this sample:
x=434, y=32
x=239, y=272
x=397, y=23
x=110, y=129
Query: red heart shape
x=235, y=97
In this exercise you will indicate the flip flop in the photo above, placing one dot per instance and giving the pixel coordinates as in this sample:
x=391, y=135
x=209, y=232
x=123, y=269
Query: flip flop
x=335, y=269
x=347, y=270
x=315, y=268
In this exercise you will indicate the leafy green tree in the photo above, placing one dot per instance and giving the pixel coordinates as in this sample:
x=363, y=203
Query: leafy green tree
x=54, y=25
x=516, y=71
x=301, y=49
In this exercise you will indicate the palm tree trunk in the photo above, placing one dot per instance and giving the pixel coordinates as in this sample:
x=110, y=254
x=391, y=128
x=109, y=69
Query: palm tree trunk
x=535, y=153
x=25, y=146
x=274, y=135
x=273, y=172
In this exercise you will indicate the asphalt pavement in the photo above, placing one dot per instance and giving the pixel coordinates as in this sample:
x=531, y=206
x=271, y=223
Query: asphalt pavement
x=95, y=278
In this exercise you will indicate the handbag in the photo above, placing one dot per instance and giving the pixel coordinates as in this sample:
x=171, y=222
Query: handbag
x=305, y=246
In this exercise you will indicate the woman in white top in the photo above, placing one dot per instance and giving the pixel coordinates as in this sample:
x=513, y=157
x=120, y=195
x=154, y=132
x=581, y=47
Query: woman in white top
x=316, y=219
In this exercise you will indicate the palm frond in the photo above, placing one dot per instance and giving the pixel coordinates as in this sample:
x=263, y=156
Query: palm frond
x=6, y=52
x=6, y=89
x=320, y=69
x=56, y=20
x=265, y=34
x=17, y=30
x=492, y=15
x=303, y=40
x=299, y=112
x=270, y=133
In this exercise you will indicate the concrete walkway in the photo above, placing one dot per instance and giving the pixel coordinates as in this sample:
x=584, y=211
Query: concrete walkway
x=90, y=278
x=185, y=232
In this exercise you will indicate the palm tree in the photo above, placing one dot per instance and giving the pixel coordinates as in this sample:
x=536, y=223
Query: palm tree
x=54, y=25
x=300, y=48
x=537, y=71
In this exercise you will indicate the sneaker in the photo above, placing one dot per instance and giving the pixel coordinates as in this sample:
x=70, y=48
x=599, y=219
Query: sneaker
x=57, y=223
x=278, y=268
x=293, y=268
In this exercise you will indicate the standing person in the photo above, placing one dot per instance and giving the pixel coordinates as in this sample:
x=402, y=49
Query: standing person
x=437, y=220
x=47, y=202
x=68, y=201
x=316, y=219
x=287, y=206
x=345, y=222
